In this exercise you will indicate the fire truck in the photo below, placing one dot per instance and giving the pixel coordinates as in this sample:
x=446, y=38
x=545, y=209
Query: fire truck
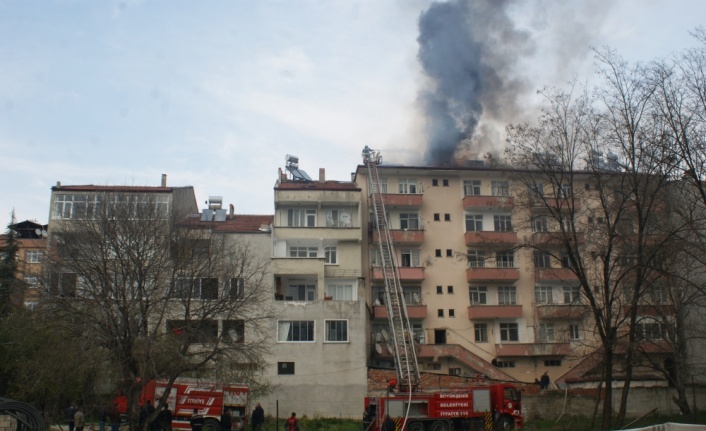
x=493, y=406
x=211, y=399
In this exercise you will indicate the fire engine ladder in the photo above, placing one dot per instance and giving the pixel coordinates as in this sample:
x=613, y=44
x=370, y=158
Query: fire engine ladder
x=402, y=340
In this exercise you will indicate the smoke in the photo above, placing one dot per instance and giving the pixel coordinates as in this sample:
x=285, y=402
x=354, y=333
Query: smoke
x=469, y=50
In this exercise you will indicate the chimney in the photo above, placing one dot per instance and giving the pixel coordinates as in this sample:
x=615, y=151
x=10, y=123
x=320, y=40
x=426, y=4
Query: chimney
x=58, y=183
x=164, y=180
x=322, y=175
x=232, y=210
x=281, y=175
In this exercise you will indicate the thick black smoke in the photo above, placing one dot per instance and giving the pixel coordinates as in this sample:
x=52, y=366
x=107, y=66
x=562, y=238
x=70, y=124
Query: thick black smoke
x=468, y=50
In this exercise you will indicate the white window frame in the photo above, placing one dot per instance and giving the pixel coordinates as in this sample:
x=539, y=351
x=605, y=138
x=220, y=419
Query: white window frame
x=507, y=330
x=500, y=188
x=542, y=259
x=507, y=295
x=472, y=187
x=545, y=332
x=574, y=331
x=340, y=290
x=478, y=295
x=543, y=295
x=302, y=327
x=308, y=289
x=476, y=222
x=502, y=223
x=414, y=258
x=301, y=217
x=540, y=224
x=330, y=255
x=505, y=259
x=333, y=330
x=480, y=332
x=572, y=294
x=476, y=258
x=409, y=221
x=303, y=252
x=34, y=256
x=408, y=186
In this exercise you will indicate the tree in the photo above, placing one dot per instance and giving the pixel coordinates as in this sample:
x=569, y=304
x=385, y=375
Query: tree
x=159, y=296
x=9, y=283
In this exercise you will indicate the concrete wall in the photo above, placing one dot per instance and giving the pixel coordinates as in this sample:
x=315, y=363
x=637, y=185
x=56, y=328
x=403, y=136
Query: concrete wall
x=7, y=423
x=550, y=404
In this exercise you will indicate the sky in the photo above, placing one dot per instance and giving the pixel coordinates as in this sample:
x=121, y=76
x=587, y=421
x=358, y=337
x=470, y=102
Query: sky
x=215, y=94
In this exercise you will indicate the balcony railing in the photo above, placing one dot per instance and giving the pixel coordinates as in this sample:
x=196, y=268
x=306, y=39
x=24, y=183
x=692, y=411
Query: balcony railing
x=404, y=236
x=494, y=311
x=414, y=311
x=555, y=274
x=502, y=271
x=561, y=311
x=490, y=237
x=533, y=349
x=402, y=200
x=405, y=273
x=488, y=202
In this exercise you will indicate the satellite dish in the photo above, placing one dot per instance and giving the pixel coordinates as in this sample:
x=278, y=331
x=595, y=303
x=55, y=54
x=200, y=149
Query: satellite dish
x=384, y=335
x=378, y=337
x=389, y=349
x=44, y=233
x=345, y=219
x=377, y=302
x=378, y=348
x=38, y=232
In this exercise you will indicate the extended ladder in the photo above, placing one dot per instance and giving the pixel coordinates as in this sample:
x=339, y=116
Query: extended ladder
x=402, y=335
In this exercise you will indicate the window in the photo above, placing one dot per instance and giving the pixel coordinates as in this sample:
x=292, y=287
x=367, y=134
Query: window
x=440, y=312
x=449, y=289
x=300, y=217
x=434, y=182
x=565, y=221
x=409, y=221
x=412, y=294
x=565, y=260
x=418, y=333
x=509, y=332
x=437, y=217
x=543, y=295
x=408, y=186
x=650, y=330
x=564, y=191
x=658, y=295
x=447, y=217
x=552, y=362
x=505, y=259
x=452, y=312
x=481, y=332
x=234, y=330
x=64, y=284
x=507, y=295
x=200, y=248
x=445, y=182
x=574, y=331
x=437, y=252
x=476, y=258
x=542, y=259
x=196, y=288
x=338, y=218
x=285, y=368
x=336, y=331
x=340, y=291
x=378, y=295
x=410, y=258
x=471, y=187
x=500, y=188
x=301, y=292
x=539, y=224
x=197, y=331
x=454, y=371
x=301, y=251
x=330, y=255
x=536, y=189
x=449, y=252
x=502, y=223
x=32, y=281
x=33, y=256
x=572, y=295
x=479, y=295
x=235, y=288
x=505, y=364
x=375, y=257
x=474, y=222
x=439, y=289
x=546, y=332
x=295, y=330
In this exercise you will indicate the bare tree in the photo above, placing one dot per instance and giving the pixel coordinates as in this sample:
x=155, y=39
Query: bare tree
x=158, y=296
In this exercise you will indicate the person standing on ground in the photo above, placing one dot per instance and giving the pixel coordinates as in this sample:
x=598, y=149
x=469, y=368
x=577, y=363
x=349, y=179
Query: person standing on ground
x=292, y=423
x=388, y=425
x=79, y=419
x=544, y=381
x=226, y=421
x=258, y=418
x=69, y=413
x=196, y=421
x=164, y=418
x=102, y=417
x=114, y=419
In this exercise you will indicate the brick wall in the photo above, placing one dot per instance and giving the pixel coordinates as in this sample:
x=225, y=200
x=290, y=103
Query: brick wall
x=7, y=423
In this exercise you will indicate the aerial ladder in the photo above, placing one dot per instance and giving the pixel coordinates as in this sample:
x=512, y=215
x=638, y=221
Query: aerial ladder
x=404, y=351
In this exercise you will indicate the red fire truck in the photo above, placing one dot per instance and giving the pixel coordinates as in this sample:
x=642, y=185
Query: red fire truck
x=495, y=406
x=210, y=398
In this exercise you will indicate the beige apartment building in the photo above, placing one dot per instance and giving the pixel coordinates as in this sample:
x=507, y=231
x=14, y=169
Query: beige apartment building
x=320, y=297
x=480, y=301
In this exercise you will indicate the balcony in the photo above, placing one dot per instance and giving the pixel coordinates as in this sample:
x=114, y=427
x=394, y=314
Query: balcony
x=405, y=273
x=488, y=202
x=561, y=311
x=555, y=238
x=490, y=237
x=416, y=311
x=494, y=311
x=532, y=349
x=551, y=203
x=403, y=237
x=492, y=273
x=555, y=274
x=400, y=200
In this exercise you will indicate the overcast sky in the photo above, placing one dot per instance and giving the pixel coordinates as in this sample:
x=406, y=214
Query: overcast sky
x=215, y=93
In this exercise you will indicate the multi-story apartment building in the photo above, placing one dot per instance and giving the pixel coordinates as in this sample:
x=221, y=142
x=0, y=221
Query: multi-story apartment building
x=320, y=348
x=482, y=299
x=31, y=239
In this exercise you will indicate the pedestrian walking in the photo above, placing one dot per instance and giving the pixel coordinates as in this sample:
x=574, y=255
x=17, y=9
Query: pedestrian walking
x=164, y=418
x=79, y=419
x=226, y=421
x=292, y=423
x=102, y=417
x=69, y=413
x=114, y=419
x=258, y=418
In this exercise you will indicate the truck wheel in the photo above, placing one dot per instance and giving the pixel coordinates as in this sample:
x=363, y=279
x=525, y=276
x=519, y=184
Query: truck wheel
x=211, y=425
x=415, y=426
x=439, y=426
x=504, y=423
